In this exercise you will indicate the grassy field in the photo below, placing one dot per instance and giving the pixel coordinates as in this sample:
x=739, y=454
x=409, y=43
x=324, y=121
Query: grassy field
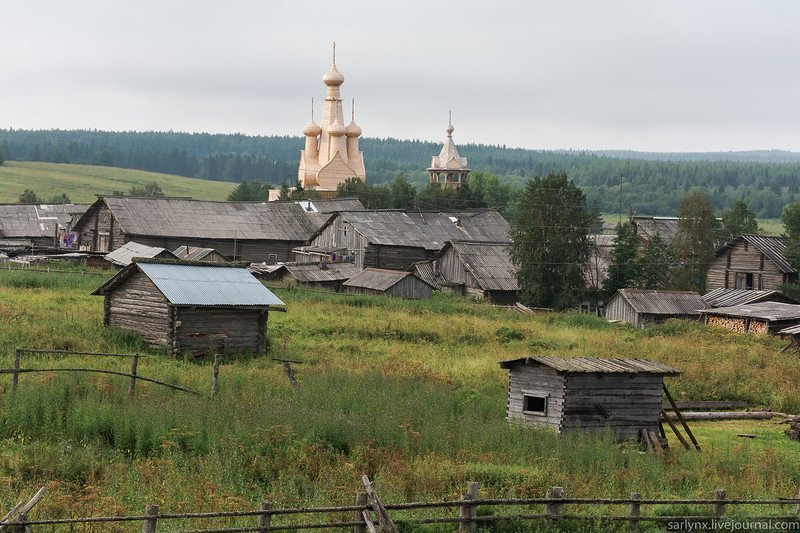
x=82, y=182
x=768, y=226
x=408, y=392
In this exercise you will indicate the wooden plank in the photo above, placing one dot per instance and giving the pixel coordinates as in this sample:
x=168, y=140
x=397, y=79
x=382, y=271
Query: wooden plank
x=725, y=415
x=705, y=405
x=384, y=520
x=675, y=430
x=680, y=417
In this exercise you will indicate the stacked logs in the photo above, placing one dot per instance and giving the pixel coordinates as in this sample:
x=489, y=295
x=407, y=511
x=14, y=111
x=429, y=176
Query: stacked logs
x=735, y=324
x=794, y=428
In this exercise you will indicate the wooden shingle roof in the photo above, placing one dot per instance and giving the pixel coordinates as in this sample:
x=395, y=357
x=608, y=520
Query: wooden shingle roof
x=489, y=263
x=379, y=279
x=663, y=302
x=766, y=311
x=31, y=221
x=595, y=365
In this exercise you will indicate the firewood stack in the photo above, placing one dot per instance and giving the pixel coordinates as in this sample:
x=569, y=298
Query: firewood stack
x=794, y=428
x=735, y=324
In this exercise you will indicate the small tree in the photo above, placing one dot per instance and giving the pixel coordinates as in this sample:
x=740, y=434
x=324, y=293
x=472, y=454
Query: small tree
x=152, y=189
x=3, y=152
x=656, y=265
x=249, y=191
x=29, y=197
x=283, y=193
x=59, y=199
x=625, y=269
x=695, y=241
x=550, y=247
x=738, y=220
x=402, y=193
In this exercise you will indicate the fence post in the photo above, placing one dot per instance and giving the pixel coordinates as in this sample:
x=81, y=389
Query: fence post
x=215, y=376
x=719, y=508
x=635, y=510
x=22, y=520
x=15, y=375
x=265, y=519
x=134, y=368
x=552, y=510
x=468, y=512
x=149, y=524
x=797, y=509
x=358, y=515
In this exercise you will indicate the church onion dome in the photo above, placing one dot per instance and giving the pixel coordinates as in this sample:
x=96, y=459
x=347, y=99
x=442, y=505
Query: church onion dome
x=450, y=129
x=333, y=77
x=312, y=129
x=352, y=129
x=336, y=129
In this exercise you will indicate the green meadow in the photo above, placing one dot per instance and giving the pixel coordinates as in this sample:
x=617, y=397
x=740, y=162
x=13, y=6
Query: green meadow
x=408, y=392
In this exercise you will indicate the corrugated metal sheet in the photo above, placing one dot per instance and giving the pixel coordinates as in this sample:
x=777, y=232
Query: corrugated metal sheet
x=430, y=231
x=767, y=311
x=378, y=279
x=208, y=285
x=123, y=256
x=20, y=221
x=664, y=302
x=315, y=273
x=186, y=218
x=596, y=365
x=490, y=264
x=722, y=297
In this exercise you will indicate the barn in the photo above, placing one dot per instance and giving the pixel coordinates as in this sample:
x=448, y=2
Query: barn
x=641, y=307
x=190, y=308
x=394, y=283
x=483, y=270
x=398, y=239
x=125, y=254
x=574, y=393
x=751, y=262
x=759, y=318
x=241, y=231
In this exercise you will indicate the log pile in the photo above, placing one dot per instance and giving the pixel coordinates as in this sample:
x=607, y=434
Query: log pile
x=794, y=428
x=734, y=324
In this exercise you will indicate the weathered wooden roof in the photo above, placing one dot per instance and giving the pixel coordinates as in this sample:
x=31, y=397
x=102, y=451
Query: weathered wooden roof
x=766, y=311
x=31, y=221
x=430, y=231
x=722, y=297
x=791, y=330
x=124, y=255
x=774, y=248
x=378, y=279
x=199, y=285
x=321, y=272
x=182, y=217
x=424, y=270
x=665, y=227
x=595, y=365
x=331, y=205
x=489, y=263
x=663, y=302
x=192, y=253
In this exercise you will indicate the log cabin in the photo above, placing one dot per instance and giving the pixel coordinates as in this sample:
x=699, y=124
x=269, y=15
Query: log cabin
x=751, y=262
x=190, y=308
x=578, y=393
x=384, y=282
x=640, y=307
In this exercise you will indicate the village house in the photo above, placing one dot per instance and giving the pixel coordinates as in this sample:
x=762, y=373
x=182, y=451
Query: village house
x=759, y=318
x=240, y=231
x=397, y=239
x=578, y=393
x=190, y=308
x=125, y=254
x=39, y=226
x=388, y=283
x=731, y=297
x=479, y=269
x=751, y=262
x=641, y=307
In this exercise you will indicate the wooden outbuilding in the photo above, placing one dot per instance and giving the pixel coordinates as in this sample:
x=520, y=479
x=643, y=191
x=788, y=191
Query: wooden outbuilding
x=641, y=307
x=198, y=253
x=323, y=275
x=190, y=307
x=396, y=283
x=482, y=270
x=39, y=226
x=751, y=262
x=577, y=393
x=731, y=297
x=758, y=318
x=125, y=254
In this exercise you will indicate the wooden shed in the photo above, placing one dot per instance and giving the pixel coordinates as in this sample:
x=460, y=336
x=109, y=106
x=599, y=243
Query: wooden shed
x=572, y=393
x=190, y=307
x=198, y=253
x=483, y=270
x=388, y=283
x=751, y=262
x=324, y=275
x=642, y=307
x=759, y=318
x=125, y=254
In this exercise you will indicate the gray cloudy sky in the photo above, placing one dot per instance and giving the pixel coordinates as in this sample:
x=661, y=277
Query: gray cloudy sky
x=689, y=75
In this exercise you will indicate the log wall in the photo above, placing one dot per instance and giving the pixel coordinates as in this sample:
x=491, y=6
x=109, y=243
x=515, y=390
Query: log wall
x=100, y=232
x=743, y=258
x=199, y=329
x=253, y=251
x=138, y=305
x=341, y=234
x=539, y=381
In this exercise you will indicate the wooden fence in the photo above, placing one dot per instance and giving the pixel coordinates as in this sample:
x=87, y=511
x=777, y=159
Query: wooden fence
x=467, y=513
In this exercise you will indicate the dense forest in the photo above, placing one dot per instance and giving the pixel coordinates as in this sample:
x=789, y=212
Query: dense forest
x=650, y=183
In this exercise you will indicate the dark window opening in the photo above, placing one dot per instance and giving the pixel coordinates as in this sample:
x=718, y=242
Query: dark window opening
x=534, y=404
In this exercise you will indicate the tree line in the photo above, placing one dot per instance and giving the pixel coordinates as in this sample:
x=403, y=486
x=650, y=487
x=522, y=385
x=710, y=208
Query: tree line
x=611, y=182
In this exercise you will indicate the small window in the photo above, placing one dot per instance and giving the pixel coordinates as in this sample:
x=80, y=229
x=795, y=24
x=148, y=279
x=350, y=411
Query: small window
x=534, y=404
x=272, y=256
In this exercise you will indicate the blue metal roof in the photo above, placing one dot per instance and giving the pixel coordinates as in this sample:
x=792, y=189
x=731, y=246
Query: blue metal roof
x=208, y=285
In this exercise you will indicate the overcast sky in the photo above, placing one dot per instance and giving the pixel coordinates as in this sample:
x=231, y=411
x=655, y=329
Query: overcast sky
x=689, y=75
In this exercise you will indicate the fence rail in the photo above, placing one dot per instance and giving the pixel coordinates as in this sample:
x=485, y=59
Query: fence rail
x=468, y=517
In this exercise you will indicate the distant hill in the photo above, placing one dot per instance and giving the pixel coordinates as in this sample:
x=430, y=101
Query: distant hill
x=82, y=182
x=646, y=182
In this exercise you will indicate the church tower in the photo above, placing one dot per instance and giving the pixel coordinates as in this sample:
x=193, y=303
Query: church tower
x=448, y=168
x=331, y=154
